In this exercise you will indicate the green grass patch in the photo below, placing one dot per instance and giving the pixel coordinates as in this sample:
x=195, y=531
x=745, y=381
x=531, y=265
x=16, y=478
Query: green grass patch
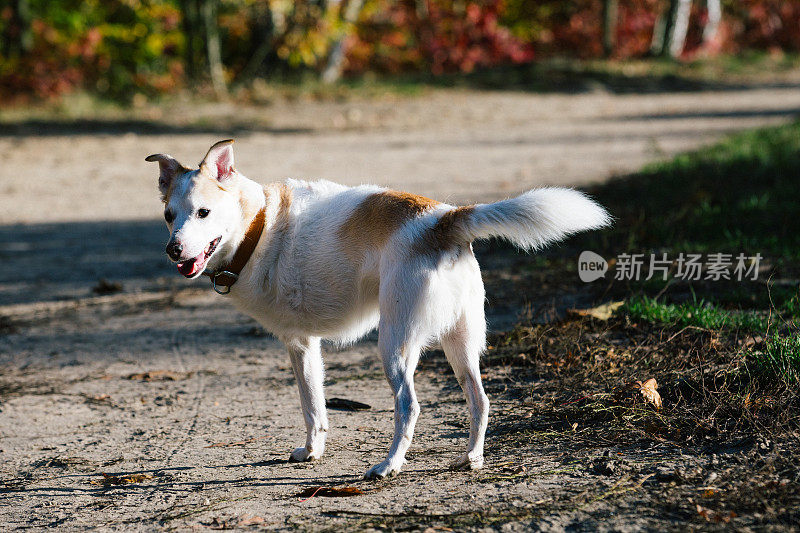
x=740, y=195
x=779, y=358
x=697, y=313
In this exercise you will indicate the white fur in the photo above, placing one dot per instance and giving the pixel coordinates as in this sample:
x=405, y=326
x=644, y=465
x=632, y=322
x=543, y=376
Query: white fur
x=301, y=285
x=535, y=218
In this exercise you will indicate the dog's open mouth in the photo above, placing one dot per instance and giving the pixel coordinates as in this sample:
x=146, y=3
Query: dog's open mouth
x=192, y=266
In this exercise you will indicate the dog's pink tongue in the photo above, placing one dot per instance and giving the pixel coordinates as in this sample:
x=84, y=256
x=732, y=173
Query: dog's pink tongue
x=189, y=267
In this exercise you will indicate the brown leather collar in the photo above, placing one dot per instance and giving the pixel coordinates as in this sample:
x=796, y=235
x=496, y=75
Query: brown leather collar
x=225, y=277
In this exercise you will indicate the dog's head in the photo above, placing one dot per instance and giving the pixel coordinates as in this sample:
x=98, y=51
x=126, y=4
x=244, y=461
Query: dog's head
x=201, y=208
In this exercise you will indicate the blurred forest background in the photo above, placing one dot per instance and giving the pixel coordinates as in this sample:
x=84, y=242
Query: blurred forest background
x=121, y=48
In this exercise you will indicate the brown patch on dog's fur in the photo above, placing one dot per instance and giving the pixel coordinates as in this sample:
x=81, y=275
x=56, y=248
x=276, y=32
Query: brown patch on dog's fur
x=378, y=216
x=284, y=196
x=201, y=181
x=282, y=217
x=248, y=209
x=279, y=201
x=207, y=185
x=445, y=232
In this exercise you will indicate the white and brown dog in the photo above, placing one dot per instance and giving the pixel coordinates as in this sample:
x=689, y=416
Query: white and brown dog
x=317, y=260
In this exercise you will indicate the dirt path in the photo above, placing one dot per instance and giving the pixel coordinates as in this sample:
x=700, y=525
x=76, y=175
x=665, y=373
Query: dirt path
x=450, y=145
x=208, y=432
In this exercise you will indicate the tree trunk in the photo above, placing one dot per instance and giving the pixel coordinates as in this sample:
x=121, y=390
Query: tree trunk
x=659, y=31
x=213, y=48
x=680, y=25
x=265, y=36
x=191, y=28
x=714, y=8
x=610, y=12
x=18, y=37
x=333, y=70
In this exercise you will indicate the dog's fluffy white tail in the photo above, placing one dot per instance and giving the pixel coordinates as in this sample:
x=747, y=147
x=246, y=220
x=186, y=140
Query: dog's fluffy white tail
x=530, y=221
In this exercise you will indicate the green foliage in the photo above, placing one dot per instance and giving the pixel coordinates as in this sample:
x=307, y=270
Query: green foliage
x=298, y=34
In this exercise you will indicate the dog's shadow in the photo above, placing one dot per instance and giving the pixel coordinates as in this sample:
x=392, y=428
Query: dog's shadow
x=279, y=473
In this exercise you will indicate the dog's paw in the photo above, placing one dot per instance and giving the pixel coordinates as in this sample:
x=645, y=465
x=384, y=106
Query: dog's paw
x=301, y=455
x=382, y=470
x=467, y=462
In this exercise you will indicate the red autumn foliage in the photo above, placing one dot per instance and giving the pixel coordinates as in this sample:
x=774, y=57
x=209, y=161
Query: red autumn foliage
x=49, y=69
x=766, y=24
x=445, y=37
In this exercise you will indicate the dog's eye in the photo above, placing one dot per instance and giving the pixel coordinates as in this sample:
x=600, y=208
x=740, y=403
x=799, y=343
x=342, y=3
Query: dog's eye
x=202, y=213
x=169, y=216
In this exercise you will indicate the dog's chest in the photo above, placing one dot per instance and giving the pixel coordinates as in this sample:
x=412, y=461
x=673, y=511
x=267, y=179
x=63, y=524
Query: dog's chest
x=278, y=313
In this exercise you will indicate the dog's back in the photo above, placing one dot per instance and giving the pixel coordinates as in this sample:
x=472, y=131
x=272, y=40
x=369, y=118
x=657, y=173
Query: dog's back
x=345, y=244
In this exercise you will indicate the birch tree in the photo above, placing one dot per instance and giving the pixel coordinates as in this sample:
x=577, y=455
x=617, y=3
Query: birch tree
x=714, y=8
x=680, y=26
x=333, y=70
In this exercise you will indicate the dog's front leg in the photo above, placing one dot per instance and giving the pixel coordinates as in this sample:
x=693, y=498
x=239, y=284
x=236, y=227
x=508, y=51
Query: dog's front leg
x=308, y=370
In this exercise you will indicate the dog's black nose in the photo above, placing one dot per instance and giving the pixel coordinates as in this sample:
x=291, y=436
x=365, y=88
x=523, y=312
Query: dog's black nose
x=174, y=250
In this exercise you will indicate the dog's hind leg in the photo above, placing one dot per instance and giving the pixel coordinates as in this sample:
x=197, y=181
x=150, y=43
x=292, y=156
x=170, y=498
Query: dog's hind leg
x=463, y=346
x=400, y=355
x=308, y=369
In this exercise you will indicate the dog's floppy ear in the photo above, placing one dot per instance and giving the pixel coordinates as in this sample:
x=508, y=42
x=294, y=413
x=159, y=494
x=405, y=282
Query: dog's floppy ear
x=169, y=168
x=218, y=162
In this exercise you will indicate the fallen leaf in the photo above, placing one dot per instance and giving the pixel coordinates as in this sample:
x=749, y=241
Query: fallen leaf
x=749, y=342
x=159, y=375
x=110, y=479
x=250, y=520
x=601, y=312
x=635, y=391
x=99, y=399
x=648, y=390
x=714, y=516
x=329, y=492
x=237, y=443
x=347, y=405
x=218, y=524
